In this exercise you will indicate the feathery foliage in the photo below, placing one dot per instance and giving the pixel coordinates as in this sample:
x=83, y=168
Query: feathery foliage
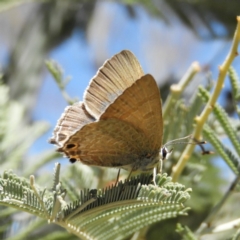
x=125, y=208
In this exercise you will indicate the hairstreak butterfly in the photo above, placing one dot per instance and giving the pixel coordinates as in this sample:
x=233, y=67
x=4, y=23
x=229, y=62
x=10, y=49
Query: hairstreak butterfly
x=119, y=122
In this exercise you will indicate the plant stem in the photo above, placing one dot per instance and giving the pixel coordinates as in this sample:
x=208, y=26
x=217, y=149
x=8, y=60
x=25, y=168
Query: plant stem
x=177, y=89
x=200, y=120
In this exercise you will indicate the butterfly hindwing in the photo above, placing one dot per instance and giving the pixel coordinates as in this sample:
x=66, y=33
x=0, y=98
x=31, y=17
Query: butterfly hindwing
x=109, y=143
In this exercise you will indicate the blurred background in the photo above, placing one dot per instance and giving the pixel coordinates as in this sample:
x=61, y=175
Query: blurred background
x=166, y=37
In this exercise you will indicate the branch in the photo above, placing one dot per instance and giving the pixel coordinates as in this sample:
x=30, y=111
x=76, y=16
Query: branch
x=200, y=120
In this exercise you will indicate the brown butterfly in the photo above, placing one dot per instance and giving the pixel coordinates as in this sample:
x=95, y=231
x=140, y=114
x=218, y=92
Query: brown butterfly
x=119, y=122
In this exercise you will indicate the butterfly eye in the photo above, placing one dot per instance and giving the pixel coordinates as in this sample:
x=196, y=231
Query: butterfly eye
x=71, y=146
x=165, y=153
x=72, y=160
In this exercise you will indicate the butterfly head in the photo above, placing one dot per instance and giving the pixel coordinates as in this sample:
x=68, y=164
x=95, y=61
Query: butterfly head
x=164, y=153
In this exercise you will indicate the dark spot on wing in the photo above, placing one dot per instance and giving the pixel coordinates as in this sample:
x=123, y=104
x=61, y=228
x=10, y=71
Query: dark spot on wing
x=72, y=160
x=71, y=145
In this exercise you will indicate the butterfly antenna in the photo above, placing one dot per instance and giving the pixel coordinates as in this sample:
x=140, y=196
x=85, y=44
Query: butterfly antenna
x=194, y=142
x=119, y=170
x=179, y=141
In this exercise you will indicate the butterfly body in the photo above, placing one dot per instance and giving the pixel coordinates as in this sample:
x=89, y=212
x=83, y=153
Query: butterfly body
x=119, y=122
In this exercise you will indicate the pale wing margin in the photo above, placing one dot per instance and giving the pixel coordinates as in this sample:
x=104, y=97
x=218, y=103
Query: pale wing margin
x=72, y=120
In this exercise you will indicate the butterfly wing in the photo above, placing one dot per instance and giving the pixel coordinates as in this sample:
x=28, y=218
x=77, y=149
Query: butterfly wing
x=128, y=131
x=71, y=121
x=108, y=143
x=117, y=74
x=140, y=106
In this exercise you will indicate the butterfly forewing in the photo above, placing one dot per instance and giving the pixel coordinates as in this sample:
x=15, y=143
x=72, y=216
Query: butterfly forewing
x=117, y=74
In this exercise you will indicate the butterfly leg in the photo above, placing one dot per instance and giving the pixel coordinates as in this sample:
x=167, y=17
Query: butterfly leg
x=129, y=175
x=117, y=177
x=126, y=181
x=154, y=175
x=160, y=166
x=157, y=169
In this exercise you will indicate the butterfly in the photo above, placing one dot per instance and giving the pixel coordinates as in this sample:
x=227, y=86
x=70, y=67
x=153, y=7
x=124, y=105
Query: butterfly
x=119, y=122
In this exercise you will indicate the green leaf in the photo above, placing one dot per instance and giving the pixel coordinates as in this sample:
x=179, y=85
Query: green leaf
x=124, y=209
